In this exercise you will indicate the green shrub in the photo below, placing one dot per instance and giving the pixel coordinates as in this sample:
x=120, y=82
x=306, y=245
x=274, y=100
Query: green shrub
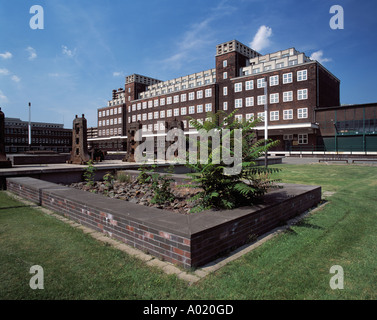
x=89, y=173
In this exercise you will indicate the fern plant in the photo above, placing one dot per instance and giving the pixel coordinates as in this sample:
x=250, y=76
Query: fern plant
x=219, y=190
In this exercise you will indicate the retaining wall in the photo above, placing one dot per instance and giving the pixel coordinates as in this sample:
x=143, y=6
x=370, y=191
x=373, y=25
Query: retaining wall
x=185, y=240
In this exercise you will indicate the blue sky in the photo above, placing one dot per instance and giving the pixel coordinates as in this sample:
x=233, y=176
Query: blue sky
x=87, y=47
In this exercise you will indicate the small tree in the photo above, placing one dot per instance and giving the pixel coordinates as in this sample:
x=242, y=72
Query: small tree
x=89, y=173
x=227, y=191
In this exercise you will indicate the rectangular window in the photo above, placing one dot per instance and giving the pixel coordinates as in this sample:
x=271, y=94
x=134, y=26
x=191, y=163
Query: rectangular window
x=225, y=105
x=169, y=113
x=156, y=115
x=183, y=111
x=192, y=109
x=261, y=116
x=238, y=117
x=199, y=94
x=162, y=114
x=208, y=107
x=225, y=91
x=288, y=114
x=116, y=120
x=176, y=99
x=191, y=96
x=274, y=115
x=225, y=63
x=144, y=105
x=133, y=109
x=274, y=98
x=169, y=100
x=249, y=101
x=134, y=118
x=150, y=127
x=144, y=116
x=249, y=116
x=302, y=75
x=303, y=138
x=238, y=103
x=162, y=101
x=155, y=103
x=225, y=75
x=176, y=112
x=238, y=87
x=261, y=83
x=199, y=108
x=183, y=97
x=287, y=96
x=249, y=85
x=292, y=62
x=150, y=104
x=287, y=78
x=155, y=127
x=150, y=115
x=261, y=100
x=208, y=93
x=302, y=113
x=302, y=94
x=119, y=120
x=274, y=81
x=111, y=112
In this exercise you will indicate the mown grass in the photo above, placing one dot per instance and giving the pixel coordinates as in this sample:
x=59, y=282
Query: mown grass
x=293, y=265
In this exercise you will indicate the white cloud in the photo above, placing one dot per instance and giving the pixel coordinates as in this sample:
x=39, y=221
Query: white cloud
x=15, y=78
x=261, y=39
x=4, y=72
x=117, y=74
x=32, y=53
x=68, y=52
x=6, y=55
x=3, y=98
x=318, y=55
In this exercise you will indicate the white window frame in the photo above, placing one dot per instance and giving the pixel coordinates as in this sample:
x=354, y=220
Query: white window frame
x=225, y=105
x=208, y=93
x=238, y=103
x=249, y=85
x=287, y=96
x=261, y=100
x=274, y=98
x=302, y=75
x=274, y=80
x=302, y=94
x=199, y=94
x=249, y=102
x=238, y=87
x=274, y=115
x=287, y=78
x=303, y=138
x=261, y=83
x=302, y=113
x=191, y=96
x=288, y=114
x=225, y=91
x=208, y=107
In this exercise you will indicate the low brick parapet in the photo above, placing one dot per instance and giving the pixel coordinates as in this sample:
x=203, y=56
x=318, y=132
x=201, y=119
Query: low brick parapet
x=185, y=240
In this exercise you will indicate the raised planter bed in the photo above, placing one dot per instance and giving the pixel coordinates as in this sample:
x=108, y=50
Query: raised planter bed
x=186, y=240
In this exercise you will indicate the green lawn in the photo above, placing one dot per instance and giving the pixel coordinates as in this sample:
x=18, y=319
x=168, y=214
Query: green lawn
x=294, y=265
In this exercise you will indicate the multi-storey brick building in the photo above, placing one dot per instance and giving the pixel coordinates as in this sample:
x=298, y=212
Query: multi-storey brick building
x=288, y=83
x=44, y=136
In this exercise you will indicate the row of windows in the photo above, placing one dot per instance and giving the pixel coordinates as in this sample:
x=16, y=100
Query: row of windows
x=110, y=112
x=109, y=122
x=302, y=94
x=110, y=132
x=170, y=100
x=38, y=140
x=302, y=113
x=171, y=112
x=302, y=75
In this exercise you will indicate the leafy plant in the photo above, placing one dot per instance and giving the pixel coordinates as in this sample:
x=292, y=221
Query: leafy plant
x=122, y=177
x=161, y=186
x=109, y=179
x=144, y=174
x=89, y=173
x=219, y=190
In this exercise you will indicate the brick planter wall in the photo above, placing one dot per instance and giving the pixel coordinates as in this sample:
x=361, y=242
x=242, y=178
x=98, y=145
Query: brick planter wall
x=185, y=240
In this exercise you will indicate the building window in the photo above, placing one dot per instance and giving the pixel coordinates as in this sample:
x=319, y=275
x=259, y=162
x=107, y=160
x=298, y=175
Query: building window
x=134, y=118
x=150, y=116
x=274, y=98
x=261, y=100
x=169, y=100
x=249, y=85
x=133, y=107
x=162, y=101
x=155, y=127
x=199, y=108
x=115, y=120
x=302, y=113
x=261, y=116
x=238, y=103
x=249, y=116
x=144, y=116
x=249, y=101
x=162, y=126
x=225, y=105
x=144, y=105
x=225, y=75
x=111, y=112
x=303, y=138
x=225, y=91
x=199, y=94
x=287, y=78
x=274, y=115
x=192, y=109
x=169, y=113
x=176, y=112
x=238, y=87
x=279, y=65
x=261, y=83
x=256, y=70
x=150, y=104
x=191, y=96
x=208, y=107
x=208, y=93
x=288, y=114
x=183, y=97
x=225, y=63
x=162, y=114
x=176, y=99
x=292, y=62
x=302, y=75
x=287, y=96
x=155, y=103
x=302, y=94
x=238, y=117
x=183, y=111
x=156, y=115
x=274, y=81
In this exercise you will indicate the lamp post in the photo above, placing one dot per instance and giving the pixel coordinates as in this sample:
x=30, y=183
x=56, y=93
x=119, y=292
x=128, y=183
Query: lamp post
x=265, y=123
x=29, y=136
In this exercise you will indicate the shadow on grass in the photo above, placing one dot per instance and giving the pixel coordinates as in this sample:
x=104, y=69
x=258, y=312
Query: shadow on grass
x=16, y=207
